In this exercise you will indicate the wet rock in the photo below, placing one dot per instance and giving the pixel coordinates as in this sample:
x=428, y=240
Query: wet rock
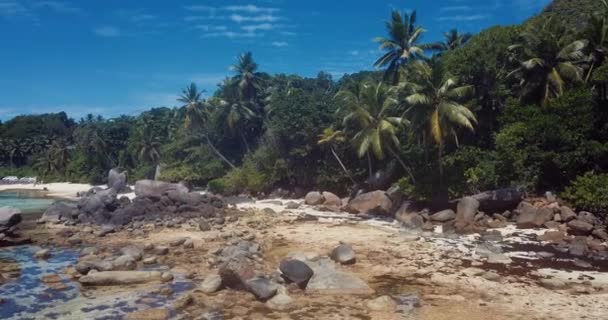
x=109, y=278
x=42, y=254
x=552, y=236
x=343, y=254
x=313, y=198
x=291, y=205
x=262, y=288
x=443, y=216
x=410, y=220
x=50, y=278
x=135, y=252
x=578, y=249
x=588, y=217
x=236, y=272
x=579, y=227
x=149, y=260
x=382, y=303
x=494, y=236
x=466, y=209
x=74, y=240
x=582, y=264
x=331, y=199
x=58, y=211
x=600, y=233
x=376, y=202
x=183, y=302
x=166, y=277
x=491, y=276
x=296, y=271
x=281, y=301
x=212, y=283
x=149, y=314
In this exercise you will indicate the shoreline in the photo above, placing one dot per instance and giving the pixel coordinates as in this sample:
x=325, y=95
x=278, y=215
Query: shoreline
x=57, y=190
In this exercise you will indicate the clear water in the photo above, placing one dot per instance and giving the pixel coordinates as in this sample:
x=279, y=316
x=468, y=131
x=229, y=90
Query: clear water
x=26, y=201
x=27, y=297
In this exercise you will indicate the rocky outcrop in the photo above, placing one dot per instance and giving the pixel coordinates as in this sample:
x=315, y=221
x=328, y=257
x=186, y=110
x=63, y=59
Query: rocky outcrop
x=9, y=217
x=117, y=180
x=331, y=199
x=314, y=198
x=531, y=217
x=376, y=202
x=296, y=271
x=59, y=211
x=156, y=189
x=498, y=200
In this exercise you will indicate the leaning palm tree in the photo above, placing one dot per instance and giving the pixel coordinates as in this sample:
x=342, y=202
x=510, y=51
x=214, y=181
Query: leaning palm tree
x=247, y=77
x=369, y=109
x=197, y=117
x=434, y=108
x=547, y=61
x=452, y=40
x=401, y=46
x=331, y=137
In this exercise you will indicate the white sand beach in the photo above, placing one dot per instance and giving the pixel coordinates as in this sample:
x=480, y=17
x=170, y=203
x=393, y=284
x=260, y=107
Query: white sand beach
x=58, y=190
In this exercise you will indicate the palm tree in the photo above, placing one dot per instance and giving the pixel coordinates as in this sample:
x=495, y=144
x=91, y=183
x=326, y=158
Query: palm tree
x=597, y=35
x=547, y=61
x=235, y=112
x=434, y=107
x=453, y=40
x=330, y=137
x=247, y=77
x=197, y=117
x=402, y=45
x=55, y=160
x=369, y=108
x=149, y=150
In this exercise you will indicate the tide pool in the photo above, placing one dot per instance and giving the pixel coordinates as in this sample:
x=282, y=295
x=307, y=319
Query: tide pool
x=26, y=201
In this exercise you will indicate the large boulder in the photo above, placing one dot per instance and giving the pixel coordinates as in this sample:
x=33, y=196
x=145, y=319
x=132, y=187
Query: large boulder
x=327, y=280
x=314, y=198
x=117, y=180
x=331, y=199
x=343, y=254
x=579, y=227
x=189, y=198
x=443, y=216
x=409, y=215
x=376, y=202
x=156, y=189
x=9, y=217
x=498, y=200
x=262, y=288
x=110, y=278
x=467, y=209
x=58, y=211
x=530, y=217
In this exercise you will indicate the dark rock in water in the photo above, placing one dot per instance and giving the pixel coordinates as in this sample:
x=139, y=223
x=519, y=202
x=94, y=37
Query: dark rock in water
x=376, y=202
x=313, y=198
x=443, y=216
x=9, y=217
x=117, y=180
x=343, y=254
x=58, y=211
x=498, y=200
x=262, y=288
x=467, y=209
x=296, y=271
x=155, y=189
x=579, y=227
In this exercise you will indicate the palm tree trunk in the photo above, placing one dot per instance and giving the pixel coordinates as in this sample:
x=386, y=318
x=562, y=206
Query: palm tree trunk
x=217, y=152
x=369, y=167
x=589, y=72
x=244, y=141
x=343, y=166
x=398, y=158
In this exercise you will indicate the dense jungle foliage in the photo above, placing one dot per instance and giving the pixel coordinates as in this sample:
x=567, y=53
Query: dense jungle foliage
x=521, y=106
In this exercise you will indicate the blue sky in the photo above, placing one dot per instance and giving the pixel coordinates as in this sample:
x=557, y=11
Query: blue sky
x=115, y=57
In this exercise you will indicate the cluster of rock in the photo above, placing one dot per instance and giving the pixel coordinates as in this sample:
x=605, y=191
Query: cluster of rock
x=9, y=233
x=153, y=200
x=376, y=202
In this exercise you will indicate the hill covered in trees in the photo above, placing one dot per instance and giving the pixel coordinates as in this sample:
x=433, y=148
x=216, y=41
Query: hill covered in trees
x=510, y=106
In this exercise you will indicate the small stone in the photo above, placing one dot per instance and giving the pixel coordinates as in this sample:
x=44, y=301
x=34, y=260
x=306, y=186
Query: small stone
x=280, y=301
x=160, y=250
x=491, y=276
x=183, y=302
x=166, y=291
x=188, y=244
x=291, y=205
x=343, y=254
x=249, y=237
x=553, y=284
x=383, y=303
x=203, y=225
x=42, y=254
x=212, y=283
x=74, y=240
x=149, y=260
x=177, y=242
x=166, y=277
x=262, y=288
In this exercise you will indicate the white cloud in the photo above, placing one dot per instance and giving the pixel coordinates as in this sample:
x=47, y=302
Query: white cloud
x=258, y=27
x=354, y=53
x=473, y=17
x=205, y=27
x=455, y=8
x=251, y=9
x=280, y=44
x=261, y=18
x=230, y=34
x=58, y=6
x=107, y=31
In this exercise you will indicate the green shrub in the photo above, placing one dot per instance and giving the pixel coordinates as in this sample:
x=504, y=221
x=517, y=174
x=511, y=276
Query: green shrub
x=217, y=186
x=589, y=192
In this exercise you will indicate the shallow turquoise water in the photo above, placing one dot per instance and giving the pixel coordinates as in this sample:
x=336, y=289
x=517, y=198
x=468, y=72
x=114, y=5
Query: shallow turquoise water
x=26, y=201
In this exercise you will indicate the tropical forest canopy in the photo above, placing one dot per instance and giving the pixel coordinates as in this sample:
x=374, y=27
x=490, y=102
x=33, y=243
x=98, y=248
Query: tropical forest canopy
x=520, y=106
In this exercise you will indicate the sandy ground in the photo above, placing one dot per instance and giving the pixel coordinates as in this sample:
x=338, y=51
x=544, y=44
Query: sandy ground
x=64, y=190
